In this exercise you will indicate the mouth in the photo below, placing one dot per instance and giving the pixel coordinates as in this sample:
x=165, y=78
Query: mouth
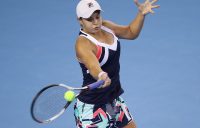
x=96, y=28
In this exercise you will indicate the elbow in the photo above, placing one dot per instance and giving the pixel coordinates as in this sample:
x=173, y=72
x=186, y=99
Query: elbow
x=133, y=36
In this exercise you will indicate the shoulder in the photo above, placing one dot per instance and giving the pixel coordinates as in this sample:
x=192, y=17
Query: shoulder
x=84, y=49
x=109, y=24
x=113, y=26
x=83, y=43
x=117, y=29
x=81, y=39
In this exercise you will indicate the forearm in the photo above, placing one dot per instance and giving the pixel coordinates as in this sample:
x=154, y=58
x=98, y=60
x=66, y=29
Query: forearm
x=94, y=70
x=98, y=74
x=136, y=25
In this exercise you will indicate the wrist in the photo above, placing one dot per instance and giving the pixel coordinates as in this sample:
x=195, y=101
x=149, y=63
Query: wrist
x=141, y=13
x=100, y=74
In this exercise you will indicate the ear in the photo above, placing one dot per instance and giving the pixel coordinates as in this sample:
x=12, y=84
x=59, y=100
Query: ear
x=80, y=21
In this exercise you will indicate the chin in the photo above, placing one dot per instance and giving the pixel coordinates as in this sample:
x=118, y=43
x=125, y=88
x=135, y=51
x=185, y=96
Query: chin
x=96, y=30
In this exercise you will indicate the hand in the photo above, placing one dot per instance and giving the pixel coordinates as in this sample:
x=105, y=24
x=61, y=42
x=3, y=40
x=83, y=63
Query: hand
x=104, y=76
x=146, y=7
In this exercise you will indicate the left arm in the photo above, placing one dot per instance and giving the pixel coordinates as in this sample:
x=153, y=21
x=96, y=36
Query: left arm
x=132, y=30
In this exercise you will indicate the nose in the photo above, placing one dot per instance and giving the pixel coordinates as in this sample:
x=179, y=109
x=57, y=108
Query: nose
x=95, y=21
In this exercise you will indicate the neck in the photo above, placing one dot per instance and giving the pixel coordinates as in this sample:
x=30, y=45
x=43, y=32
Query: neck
x=98, y=34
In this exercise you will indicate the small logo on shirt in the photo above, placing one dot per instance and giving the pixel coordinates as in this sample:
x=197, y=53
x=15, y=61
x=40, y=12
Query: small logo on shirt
x=90, y=5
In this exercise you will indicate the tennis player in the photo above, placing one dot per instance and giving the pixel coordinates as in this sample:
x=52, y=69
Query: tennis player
x=98, y=51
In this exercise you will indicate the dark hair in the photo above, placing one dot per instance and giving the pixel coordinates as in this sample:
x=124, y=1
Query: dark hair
x=97, y=11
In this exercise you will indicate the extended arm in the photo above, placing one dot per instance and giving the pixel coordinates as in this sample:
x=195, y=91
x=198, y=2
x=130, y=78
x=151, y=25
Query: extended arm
x=85, y=52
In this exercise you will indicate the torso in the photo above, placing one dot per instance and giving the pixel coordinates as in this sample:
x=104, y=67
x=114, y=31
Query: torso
x=107, y=50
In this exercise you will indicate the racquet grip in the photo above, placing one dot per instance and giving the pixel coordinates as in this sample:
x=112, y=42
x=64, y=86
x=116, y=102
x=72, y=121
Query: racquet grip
x=95, y=85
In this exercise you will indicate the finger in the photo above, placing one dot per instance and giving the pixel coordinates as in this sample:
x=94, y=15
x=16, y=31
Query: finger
x=145, y=12
x=137, y=3
x=151, y=11
x=155, y=6
x=107, y=82
x=153, y=1
x=146, y=2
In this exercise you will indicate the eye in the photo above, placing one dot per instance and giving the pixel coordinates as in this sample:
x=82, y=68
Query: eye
x=89, y=19
x=98, y=17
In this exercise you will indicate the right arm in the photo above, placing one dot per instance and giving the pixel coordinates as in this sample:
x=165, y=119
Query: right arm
x=85, y=52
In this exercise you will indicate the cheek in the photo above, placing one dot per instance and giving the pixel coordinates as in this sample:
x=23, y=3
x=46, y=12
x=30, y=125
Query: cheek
x=88, y=25
x=81, y=23
x=101, y=21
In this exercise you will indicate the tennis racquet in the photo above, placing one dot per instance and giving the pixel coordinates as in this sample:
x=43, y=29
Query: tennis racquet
x=49, y=102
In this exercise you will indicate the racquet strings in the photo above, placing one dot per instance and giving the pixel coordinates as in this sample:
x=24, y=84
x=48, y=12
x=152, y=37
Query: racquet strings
x=49, y=103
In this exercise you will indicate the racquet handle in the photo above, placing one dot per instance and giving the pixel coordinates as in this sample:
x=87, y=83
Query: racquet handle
x=95, y=85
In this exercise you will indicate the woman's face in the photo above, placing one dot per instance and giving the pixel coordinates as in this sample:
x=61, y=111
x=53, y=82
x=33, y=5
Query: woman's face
x=92, y=24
